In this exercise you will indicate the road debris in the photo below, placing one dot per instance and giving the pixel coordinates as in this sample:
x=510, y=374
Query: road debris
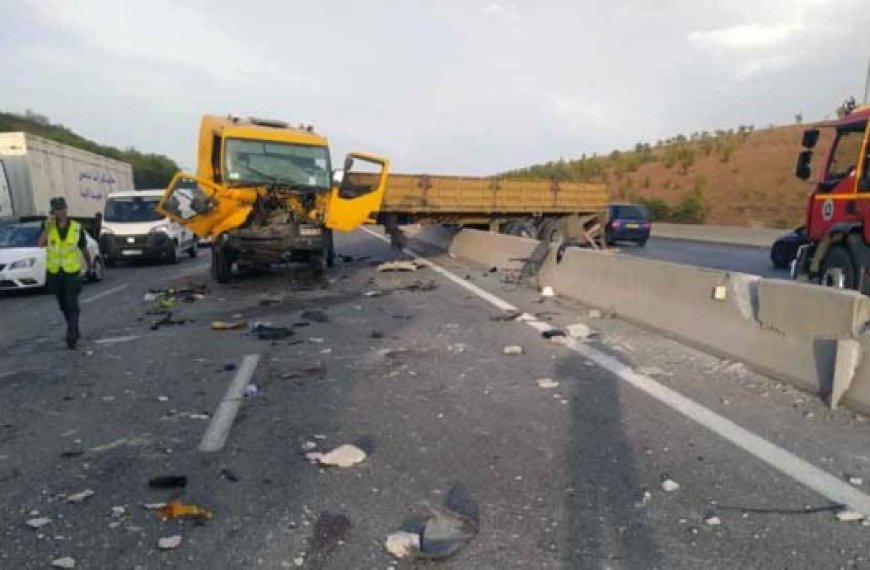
x=513, y=349
x=228, y=325
x=344, y=456
x=38, y=523
x=644, y=500
x=267, y=331
x=330, y=530
x=397, y=266
x=594, y=314
x=314, y=316
x=168, y=482
x=442, y=533
x=163, y=399
x=119, y=511
x=712, y=521
x=270, y=301
x=580, y=331
x=300, y=372
x=457, y=347
x=167, y=320
x=373, y=293
x=79, y=497
x=376, y=334
x=169, y=542
x=550, y=334
x=176, y=509
x=228, y=475
x=669, y=485
x=153, y=506
x=403, y=544
x=651, y=371
x=846, y=515
x=65, y=562
x=546, y=383
x=508, y=316
x=548, y=292
x=856, y=481
x=229, y=366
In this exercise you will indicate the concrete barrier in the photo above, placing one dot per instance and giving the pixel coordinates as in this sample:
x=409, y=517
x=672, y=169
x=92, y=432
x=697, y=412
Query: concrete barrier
x=733, y=235
x=786, y=330
x=494, y=250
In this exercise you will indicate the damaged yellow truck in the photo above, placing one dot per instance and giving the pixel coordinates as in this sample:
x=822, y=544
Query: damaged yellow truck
x=265, y=192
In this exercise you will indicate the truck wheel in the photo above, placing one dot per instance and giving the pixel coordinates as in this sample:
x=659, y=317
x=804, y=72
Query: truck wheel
x=317, y=261
x=553, y=231
x=220, y=264
x=172, y=253
x=838, y=269
x=194, y=250
x=330, y=249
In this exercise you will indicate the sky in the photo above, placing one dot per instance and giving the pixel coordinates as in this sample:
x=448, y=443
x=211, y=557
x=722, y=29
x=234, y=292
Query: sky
x=469, y=87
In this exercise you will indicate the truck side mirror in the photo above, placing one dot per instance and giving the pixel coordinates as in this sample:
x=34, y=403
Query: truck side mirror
x=810, y=138
x=802, y=168
x=337, y=177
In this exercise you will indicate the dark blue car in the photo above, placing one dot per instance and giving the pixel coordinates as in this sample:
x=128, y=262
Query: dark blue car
x=627, y=222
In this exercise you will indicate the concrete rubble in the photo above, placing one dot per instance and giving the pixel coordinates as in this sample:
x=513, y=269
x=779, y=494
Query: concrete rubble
x=344, y=456
x=169, y=542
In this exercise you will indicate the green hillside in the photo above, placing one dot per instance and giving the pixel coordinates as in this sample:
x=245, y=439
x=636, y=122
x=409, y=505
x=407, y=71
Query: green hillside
x=149, y=170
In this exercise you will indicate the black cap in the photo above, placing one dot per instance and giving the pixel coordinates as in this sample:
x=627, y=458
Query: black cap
x=58, y=203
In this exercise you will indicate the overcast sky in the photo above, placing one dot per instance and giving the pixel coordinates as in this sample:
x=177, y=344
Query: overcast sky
x=454, y=87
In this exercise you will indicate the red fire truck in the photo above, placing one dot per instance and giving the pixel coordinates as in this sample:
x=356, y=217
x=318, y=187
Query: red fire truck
x=838, y=212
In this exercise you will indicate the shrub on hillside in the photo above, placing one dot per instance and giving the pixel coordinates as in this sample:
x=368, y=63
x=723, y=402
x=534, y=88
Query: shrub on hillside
x=691, y=209
x=657, y=208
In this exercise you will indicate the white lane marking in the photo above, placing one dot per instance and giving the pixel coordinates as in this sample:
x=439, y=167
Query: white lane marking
x=105, y=293
x=788, y=463
x=115, y=339
x=219, y=428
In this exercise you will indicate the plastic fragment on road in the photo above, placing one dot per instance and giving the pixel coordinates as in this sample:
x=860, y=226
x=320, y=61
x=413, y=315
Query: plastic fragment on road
x=712, y=521
x=548, y=292
x=118, y=511
x=580, y=331
x=547, y=383
x=669, y=485
x=251, y=390
x=373, y=293
x=266, y=331
x=846, y=515
x=397, y=266
x=169, y=542
x=176, y=509
x=38, y=523
x=66, y=562
x=403, y=544
x=550, y=334
x=457, y=347
x=513, y=349
x=343, y=456
x=228, y=325
x=79, y=497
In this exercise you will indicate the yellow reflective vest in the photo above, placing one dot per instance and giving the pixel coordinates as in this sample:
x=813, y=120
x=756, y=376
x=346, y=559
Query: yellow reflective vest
x=63, y=254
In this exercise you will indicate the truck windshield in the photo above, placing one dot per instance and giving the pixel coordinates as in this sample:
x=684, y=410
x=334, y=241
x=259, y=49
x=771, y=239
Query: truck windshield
x=133, y=209
x=19, y=235
x=259, y=162
x=847, y=149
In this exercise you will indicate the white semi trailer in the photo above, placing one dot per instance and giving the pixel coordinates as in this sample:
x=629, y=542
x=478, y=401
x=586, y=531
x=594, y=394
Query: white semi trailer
x=34, y=169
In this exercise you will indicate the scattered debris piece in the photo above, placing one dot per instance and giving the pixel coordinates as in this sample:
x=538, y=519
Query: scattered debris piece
x=149, y=298
x=153, y=506
x=314, y=316
x=712, y=521
x=309, y=445
x=315, y=340
x=65, y=562
x=513, y=349
x=251, y=390
x=376, y=334
x=594, y=314
x=547, y=383
x=344, y=456
x=79, y=497
x=167, y=320
x=310, y=371
x=846, y=515
x=38, y=523
x=228, y=325
x=856, y=481
x=403, y=544
x=330, y=530
x=163, y=399
x=458, y=347
x=119, y=511
x=373, y=293
x=266, y=331
x=669, y=485
x=229, y=366
x=644, y=500
x=169, y=542
x=175, y=509
x=397, y=266
x=229, y=475
x=269, y=301
x=69, y=453
x=580, y=331
x=652, y=371
x=168, y=481
x=552, y=333
x=548, y=292
x=508, y=316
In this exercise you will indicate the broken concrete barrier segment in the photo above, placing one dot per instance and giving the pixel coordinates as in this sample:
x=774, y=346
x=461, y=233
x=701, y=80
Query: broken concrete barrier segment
x=218, y=430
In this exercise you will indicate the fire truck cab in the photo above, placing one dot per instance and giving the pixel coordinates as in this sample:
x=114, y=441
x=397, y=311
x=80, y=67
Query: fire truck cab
x=838, y=210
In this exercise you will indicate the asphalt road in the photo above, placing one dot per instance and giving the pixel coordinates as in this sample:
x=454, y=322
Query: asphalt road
x=743, y=258
x=563, y=477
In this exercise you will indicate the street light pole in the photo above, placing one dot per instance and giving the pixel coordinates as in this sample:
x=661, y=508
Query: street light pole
x=867, y=84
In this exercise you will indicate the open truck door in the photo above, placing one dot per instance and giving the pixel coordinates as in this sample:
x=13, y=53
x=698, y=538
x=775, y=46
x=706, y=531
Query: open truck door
x=358, y=197
x=205, y=208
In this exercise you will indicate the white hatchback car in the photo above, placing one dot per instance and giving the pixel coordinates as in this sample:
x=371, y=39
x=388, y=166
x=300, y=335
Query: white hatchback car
x=22, y=262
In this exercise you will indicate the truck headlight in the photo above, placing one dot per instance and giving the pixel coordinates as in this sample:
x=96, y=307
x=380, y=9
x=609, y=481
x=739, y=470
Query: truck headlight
x=23, y=263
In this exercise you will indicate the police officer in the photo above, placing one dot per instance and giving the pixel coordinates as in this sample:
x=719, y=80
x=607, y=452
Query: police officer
x=63, y=239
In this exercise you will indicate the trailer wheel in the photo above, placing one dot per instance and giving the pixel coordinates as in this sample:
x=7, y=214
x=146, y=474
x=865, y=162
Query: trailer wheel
x=553, y=231
x=220, y=264
x=838, y=269
x=330, y=249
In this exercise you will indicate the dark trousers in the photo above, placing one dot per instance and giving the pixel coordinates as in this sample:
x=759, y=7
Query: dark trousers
x=66, y=287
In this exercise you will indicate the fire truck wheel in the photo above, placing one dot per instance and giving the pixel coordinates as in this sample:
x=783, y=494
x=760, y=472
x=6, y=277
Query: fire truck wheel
x=838, y=269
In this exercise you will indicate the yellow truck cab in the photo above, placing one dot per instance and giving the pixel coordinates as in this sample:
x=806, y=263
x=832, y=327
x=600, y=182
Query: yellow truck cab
x=265, y=193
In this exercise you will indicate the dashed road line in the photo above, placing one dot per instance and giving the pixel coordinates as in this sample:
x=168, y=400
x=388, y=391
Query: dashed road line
x=784, y=461
x=219, y=428
x=105, y=293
